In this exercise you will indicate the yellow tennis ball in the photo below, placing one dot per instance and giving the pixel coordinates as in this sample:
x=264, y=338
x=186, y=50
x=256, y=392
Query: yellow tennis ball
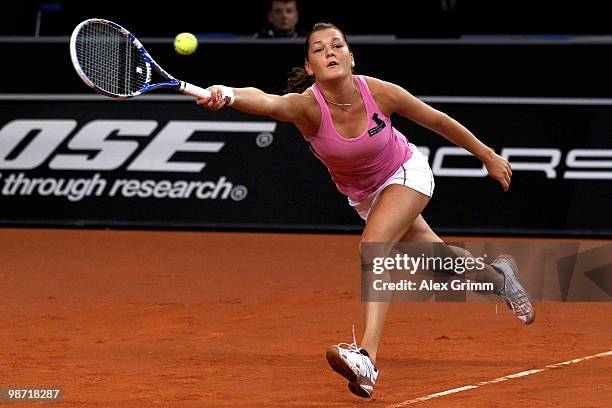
x=185, y=43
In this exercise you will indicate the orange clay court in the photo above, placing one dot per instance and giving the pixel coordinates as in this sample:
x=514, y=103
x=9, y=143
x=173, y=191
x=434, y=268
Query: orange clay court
x=199, y=319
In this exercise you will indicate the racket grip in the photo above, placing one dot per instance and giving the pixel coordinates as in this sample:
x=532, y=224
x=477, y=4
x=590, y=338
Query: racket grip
x=193, y=90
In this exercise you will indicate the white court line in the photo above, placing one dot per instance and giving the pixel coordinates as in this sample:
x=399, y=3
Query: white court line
x=497, y=380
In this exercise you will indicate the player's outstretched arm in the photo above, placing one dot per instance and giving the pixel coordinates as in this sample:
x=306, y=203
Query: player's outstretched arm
x=286, y=108
x=397, y=99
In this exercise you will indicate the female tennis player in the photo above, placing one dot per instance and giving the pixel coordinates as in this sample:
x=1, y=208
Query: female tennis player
x=346, y=119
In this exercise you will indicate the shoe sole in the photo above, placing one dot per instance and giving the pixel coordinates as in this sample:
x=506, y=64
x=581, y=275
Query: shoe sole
x=337, y=363
x=358, y=391
x=510, y=260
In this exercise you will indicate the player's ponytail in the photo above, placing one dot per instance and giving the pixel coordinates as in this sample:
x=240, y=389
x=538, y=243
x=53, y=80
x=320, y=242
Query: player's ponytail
x=299, y=80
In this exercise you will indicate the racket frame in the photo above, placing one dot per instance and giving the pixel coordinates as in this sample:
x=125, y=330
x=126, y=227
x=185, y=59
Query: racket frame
x=171, y=82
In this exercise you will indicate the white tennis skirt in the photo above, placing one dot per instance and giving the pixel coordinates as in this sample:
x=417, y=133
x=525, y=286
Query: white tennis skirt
x=415, y=173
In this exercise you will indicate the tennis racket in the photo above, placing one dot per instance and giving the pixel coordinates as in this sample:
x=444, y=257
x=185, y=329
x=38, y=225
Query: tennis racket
x=112, y=61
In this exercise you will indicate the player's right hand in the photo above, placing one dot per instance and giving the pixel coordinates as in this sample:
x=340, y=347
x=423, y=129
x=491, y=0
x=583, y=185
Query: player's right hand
x=216, y=101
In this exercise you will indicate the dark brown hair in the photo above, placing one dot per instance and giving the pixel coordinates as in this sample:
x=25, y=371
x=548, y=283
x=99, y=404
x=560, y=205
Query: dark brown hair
x=299, y=80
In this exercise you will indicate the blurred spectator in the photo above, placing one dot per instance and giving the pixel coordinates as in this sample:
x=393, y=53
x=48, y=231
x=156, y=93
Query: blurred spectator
x=282, y=20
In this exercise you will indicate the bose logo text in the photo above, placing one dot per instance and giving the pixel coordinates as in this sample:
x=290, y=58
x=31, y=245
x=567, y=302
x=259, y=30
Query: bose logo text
x=27, y=144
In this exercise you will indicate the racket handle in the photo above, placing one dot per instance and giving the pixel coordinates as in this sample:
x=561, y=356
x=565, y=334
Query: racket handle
x=193, y=90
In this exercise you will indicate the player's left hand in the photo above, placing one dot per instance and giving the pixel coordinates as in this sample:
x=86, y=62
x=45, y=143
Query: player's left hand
x=499, y=169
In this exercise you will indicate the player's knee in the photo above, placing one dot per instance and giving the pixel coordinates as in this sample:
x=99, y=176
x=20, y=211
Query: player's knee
x=416, y=233
x=372, y=246
x=367, y=240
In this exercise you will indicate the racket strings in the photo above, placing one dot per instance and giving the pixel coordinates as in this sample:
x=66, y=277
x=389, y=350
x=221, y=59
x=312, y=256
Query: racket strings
x=110, y=60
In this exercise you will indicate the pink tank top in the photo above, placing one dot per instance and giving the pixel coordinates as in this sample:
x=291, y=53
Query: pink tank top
x=359, y=166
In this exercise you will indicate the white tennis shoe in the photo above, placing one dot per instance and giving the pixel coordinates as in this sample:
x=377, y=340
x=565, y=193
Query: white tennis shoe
x=513, y=293
x=355, y=365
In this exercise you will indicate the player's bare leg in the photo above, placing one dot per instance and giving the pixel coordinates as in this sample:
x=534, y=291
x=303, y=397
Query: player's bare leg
x=391, y=217
x=502, y=272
